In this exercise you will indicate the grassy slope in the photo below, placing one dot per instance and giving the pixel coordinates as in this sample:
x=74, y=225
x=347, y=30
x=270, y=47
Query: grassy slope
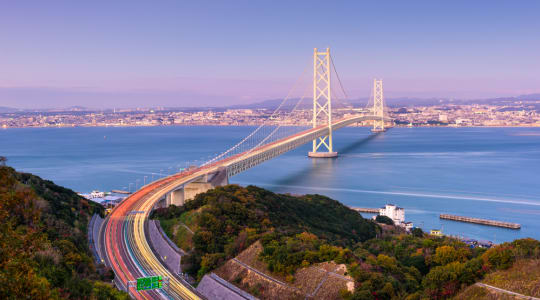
x=523, y=277
x=46, y=225
x=480, y=293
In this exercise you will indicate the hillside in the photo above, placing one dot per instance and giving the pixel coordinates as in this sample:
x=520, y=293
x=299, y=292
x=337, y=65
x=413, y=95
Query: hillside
x=311, y=246
x=226, y=220
x=43, y=245
x=523, y=278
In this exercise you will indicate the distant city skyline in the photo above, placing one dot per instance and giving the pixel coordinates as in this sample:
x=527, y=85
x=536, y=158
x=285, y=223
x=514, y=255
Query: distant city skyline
x=180, y=54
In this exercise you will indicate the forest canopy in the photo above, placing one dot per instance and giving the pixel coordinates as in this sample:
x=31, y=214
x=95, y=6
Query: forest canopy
x=44, y=250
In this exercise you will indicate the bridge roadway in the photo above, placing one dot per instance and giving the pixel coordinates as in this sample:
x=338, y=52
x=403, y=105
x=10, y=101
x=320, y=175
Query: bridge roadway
x=123, y=237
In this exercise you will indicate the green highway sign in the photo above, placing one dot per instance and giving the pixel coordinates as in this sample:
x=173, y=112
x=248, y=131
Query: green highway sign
x=149, y=283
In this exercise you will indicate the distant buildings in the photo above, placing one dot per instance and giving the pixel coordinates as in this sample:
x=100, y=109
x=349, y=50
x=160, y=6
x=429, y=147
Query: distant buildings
x=108, y=200
x=474, y=243
x=507, y=113
x=96, y=194
x=436, y=232
x=397, y=214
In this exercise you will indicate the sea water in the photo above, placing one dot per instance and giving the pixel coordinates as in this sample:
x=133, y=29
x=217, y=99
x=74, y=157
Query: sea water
x=491, y=173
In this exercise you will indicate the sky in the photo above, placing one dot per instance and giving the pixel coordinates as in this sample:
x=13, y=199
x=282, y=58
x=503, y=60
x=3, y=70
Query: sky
x=105, y=54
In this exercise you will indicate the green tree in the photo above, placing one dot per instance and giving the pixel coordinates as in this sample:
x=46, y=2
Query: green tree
x=44, y=252
x=384, y=220
x=445, y=255
x=417, y=232
x=500, y=257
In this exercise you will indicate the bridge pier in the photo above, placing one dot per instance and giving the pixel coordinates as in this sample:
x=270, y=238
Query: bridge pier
x=188, y=191
x=175, y=197
x=322, y=154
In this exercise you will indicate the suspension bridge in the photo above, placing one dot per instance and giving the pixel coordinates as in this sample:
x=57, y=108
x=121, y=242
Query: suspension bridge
x=123, y=242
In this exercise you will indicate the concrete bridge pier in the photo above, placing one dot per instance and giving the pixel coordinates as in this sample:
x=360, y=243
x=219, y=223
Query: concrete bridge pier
x=175, y=197
x=187, y=192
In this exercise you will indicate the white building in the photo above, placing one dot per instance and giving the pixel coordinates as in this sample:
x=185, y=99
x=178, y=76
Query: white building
x=97, y=194
x=443, y=118
x=397, y=214
x=408, y=225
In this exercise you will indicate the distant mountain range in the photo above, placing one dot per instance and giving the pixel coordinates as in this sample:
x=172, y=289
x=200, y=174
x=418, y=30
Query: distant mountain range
x=306, y=103
x=4, y=109
x=392, y=102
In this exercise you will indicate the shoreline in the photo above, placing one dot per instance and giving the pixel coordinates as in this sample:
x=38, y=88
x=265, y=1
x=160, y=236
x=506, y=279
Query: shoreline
x=251, y=125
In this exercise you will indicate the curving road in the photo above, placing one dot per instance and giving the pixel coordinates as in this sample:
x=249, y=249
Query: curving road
x=123, y=238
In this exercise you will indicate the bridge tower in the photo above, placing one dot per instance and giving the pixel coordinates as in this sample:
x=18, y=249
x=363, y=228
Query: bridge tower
x=378, y=106
x=322, y=102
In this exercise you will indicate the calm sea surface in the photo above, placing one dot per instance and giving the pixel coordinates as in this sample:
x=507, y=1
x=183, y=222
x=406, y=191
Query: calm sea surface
x=479, y=172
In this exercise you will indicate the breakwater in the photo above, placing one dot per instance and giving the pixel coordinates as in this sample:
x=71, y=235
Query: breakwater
x=120, y=192
x=480, y=221
x=366, y=210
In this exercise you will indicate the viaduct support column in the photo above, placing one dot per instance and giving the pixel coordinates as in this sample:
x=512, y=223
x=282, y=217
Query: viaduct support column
x=188, y=191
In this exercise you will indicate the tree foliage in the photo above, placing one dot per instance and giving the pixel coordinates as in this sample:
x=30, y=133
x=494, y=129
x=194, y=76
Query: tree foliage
x=428, y=267
x=230, y=218
x=384, y=220
x=299, y=231
x=285, y=254
x=43, y=246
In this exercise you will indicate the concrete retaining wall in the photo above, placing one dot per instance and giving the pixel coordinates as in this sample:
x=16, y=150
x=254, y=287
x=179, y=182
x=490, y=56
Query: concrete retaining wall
x=164, y=248
x=93, y=237
x=214, y=287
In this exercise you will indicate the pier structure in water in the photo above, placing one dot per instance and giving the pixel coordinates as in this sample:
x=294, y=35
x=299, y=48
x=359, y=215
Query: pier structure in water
x=480, y=221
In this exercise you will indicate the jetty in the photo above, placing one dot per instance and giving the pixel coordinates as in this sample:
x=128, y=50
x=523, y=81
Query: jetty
x=366, y=210
x=480, y=221
x=120, y=192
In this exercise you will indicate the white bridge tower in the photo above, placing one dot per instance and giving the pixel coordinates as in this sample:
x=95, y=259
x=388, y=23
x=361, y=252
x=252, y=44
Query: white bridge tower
x=322, y=102
x=378, y=106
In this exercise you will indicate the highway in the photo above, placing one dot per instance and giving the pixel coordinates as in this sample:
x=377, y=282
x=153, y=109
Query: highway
x=123, y=239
